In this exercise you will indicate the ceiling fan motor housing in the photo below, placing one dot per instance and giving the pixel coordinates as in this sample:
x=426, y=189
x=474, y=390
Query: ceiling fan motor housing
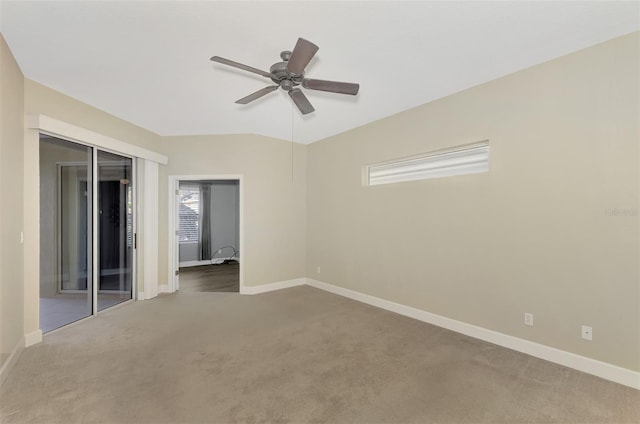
x=282, y=76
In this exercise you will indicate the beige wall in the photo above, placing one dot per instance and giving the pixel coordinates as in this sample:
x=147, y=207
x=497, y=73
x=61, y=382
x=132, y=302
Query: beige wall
x=11, y=208
x=274, y=242
x=539, y=233
x=43, y=100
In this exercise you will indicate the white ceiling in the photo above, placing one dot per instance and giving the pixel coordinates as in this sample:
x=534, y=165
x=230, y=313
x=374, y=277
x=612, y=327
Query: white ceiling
x=148, y=62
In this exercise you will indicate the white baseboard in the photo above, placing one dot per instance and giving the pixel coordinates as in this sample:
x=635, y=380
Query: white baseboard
x=600, y=369
x=141, y=296
x=164, y=288
x=11, y=360
x=32, y=338
x=272, y=286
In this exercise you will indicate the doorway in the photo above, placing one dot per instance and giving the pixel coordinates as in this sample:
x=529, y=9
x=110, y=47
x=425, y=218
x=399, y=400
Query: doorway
x=206, y=236
x=86, y=231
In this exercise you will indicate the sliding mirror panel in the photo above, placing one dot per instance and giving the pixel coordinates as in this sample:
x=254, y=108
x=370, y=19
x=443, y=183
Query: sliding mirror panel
x=115, y=229
x=65, y=232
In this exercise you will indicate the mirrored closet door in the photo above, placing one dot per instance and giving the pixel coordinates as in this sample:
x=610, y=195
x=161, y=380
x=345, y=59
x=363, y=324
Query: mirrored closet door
x=87, y=237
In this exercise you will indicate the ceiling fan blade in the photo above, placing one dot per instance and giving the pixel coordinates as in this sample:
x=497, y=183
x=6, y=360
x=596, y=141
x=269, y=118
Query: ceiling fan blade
x=240, y=66
x=255, y=96
x=331, y=86
x=301, y=101
x=301, y=55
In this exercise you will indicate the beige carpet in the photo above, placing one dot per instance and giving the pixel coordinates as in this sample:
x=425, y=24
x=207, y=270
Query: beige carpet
x=292, y=356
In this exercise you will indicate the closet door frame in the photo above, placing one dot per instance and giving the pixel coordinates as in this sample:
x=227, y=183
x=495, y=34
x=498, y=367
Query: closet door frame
x=40, y=123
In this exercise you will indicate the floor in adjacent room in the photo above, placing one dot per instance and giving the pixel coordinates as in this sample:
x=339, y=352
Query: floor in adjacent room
x=297, y=355
x=223, y=277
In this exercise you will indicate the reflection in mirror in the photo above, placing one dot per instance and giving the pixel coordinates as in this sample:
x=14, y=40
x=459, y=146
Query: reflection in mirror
x=65, y=232
x=115, y=229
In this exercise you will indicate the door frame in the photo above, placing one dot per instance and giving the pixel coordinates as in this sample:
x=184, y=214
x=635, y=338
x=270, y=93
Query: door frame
x=172, y=207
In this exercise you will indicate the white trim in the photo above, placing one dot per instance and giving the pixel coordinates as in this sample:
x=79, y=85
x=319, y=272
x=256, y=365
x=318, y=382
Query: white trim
x=600, y=369
x=54, y=127
x=32, y=338
x=134, y=254
x=173, y=261
x=139, y=252
x=164, y=288
x=273, y=286
x=173, y=245
x=11, y=360
x=150, y=229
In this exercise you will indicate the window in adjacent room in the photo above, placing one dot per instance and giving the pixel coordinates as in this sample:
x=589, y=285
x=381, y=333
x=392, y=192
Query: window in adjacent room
x=188, y=215
x=468, y=159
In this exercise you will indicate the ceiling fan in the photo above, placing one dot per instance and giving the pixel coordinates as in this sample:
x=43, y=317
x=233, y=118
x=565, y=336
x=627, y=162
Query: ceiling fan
x=289, y=75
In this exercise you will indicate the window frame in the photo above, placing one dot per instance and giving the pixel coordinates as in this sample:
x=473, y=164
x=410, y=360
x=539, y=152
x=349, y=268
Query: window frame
x=460, y=160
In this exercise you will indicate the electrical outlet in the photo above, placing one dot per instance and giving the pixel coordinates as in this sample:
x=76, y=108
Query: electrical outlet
x=528, y=319
x=587, y=332
x=318, y=270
